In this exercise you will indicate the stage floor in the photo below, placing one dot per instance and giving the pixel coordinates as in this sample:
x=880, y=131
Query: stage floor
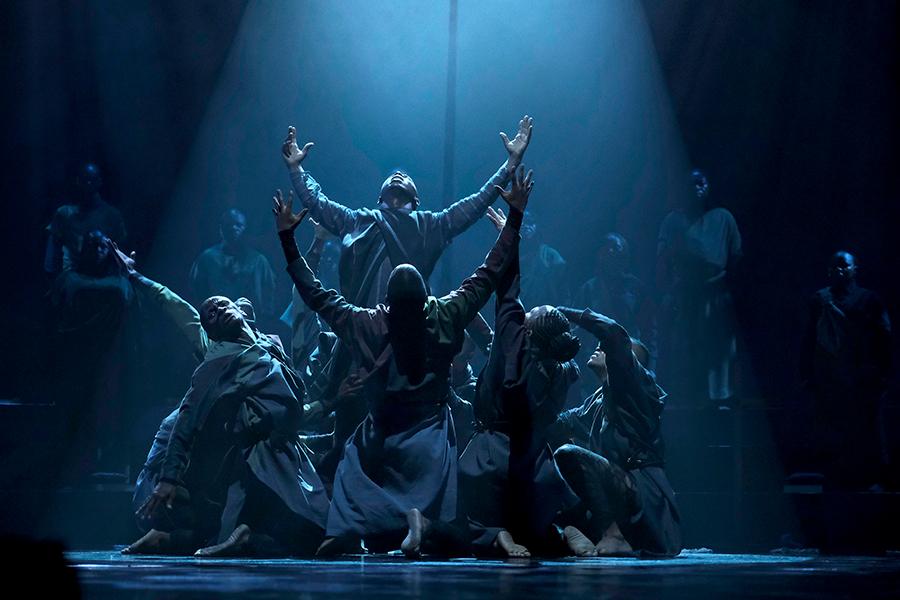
x=693, y=575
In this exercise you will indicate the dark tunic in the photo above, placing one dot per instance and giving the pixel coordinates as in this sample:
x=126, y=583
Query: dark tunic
x=508, y=478
x=626, y=430
x=72, y=222
x=245, y=272
x=846, y=356
x=235, y=437
x=403, y=455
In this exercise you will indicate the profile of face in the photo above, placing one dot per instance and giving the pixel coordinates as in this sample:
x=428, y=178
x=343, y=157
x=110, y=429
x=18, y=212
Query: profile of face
x=597, y=364
x=221, y=318
x=246, y=307
x=89, y=179
x=96, y=250
x=399, y=190
x=842, y=269
x=232, y=226
x=612, y=255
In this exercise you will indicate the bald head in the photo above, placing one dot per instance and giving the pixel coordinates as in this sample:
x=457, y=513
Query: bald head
x=842, y=269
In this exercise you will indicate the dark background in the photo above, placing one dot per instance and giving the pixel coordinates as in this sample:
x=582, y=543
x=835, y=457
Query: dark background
x=789, y=106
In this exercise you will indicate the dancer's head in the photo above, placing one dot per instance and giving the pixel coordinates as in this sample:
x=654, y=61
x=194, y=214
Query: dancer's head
x=88, y=181
x=398, y=191
x=406, y=289
x=842, y=269
x=612, y=255
x=95, y=257
x=222, y=319
x=232, y=226
x=549, y=332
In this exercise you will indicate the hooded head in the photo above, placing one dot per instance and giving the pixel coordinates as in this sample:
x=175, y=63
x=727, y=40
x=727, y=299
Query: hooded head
x=89, y=181
x=399, y=190
x=406, y=288
x=549, y=332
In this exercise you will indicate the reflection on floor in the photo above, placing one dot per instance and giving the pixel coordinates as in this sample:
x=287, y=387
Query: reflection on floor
x=692, y=575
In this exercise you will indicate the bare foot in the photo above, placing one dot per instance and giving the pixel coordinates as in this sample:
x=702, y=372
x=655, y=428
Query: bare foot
x=506, y=543
x=578, y=543
x=235, y=545
x=418, y=529
x=613, y=543
x=153, y=542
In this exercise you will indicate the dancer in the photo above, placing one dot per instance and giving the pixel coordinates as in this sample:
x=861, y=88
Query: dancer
x=398, y=474
x=620, y=475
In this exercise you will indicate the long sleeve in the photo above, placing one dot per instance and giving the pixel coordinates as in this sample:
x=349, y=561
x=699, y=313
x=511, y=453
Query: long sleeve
x=345, y=319
x=615, y=340
x=181, y=440
x=336, y=218
x=463, y=213
x=185, y=316
x=461, y=305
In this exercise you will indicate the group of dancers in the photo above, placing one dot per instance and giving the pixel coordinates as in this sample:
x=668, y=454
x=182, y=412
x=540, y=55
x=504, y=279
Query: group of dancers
x=230, y=471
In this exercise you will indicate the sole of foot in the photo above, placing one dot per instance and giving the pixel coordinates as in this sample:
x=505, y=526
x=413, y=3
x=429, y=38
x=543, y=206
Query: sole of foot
x=235, y=545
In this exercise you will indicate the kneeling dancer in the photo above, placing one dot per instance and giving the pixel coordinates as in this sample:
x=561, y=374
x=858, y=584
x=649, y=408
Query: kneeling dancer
x=234, y=472
x=398, y=474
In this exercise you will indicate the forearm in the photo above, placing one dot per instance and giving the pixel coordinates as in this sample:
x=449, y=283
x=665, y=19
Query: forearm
x=463, y=213
x=314, y=254
x=328, y=304
x=180, y=312
x=334, y=217
x=612, y=336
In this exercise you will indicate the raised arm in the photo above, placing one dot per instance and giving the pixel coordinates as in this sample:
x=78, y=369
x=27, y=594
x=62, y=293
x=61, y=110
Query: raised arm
x=615, y=340
x=346, y=320
x=336, y=218
x=463, y=213
x=461, y=305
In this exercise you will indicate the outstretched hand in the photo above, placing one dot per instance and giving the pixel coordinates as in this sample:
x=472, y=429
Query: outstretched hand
x=126, y=262
x=291, y=152
x=517, y=196
x=163, y=494
x=285, y=219
x=496, y=217
x=517, y=146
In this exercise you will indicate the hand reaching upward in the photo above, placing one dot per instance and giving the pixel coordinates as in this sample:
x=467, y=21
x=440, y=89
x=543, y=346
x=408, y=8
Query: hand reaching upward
x=517, y=196
x=496, y=217
x=285, y=219
x=291, y=152
x=517, y=146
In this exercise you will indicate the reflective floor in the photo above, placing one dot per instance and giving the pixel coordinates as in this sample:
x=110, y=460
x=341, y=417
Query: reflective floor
x=692, y=575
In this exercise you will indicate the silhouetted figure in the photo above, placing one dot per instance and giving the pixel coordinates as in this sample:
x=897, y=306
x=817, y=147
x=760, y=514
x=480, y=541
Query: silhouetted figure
x=699, y=245
x=91, y=303
x=232, y=269
x=399, y=468
x=845, y=360
x=616, y=292
x=72, y=222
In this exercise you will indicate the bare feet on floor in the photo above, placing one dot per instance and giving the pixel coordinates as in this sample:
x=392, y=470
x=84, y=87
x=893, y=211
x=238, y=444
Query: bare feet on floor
x=418, y=530
x=235, y=545
x=613, y=543
x=153, y=542
x=506, y=543
x=577, y=542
